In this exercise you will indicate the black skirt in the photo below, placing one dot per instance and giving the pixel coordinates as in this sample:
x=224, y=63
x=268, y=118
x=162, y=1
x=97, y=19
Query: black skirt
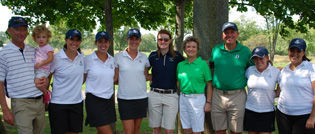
x=99, y=111
x=259, y=122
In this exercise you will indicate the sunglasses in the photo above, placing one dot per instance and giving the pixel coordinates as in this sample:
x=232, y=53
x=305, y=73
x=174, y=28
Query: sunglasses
x=165, y=39
x=19, y=21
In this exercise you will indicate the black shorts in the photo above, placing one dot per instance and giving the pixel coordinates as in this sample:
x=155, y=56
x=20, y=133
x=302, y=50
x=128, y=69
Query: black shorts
x=259, y=122
x=132, y=109
x=292, y=124
x=99, y=111
x=66, y=118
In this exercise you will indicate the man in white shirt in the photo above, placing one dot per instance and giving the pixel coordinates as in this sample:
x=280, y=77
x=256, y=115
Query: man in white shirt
x=17, y=82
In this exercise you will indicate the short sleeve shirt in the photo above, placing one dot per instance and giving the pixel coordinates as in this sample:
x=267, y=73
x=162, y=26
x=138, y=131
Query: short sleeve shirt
x=230, y=66
x=297, y=94
x=261, y=88
x=67, y=78
x=193, y=77
x=41, y=54
x=164, y=69
x=100, y=75
x=17, y=69
x=132, y=81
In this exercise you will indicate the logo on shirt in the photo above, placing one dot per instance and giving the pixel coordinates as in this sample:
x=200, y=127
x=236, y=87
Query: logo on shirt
x=170, y=59
x=140, y=61
x=111, y=66
x=81, y=63
x=237, y=56
x=269, y=76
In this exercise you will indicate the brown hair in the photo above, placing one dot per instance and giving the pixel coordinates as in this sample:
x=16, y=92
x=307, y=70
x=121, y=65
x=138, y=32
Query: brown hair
x=193, y=39
x=41, y=29
x=171, y=47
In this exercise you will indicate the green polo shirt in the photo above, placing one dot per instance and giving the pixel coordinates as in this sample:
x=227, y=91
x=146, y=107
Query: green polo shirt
x=193, y=77
x=230, y=66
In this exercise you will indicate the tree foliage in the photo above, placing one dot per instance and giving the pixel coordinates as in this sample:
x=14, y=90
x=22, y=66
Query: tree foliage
x=283, y=10
x=247, y=27
x=84, y=14
x=3, y=38
x=148, y=43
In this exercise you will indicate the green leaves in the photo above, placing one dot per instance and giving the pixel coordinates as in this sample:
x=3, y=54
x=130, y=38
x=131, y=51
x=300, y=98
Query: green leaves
x=284, y=11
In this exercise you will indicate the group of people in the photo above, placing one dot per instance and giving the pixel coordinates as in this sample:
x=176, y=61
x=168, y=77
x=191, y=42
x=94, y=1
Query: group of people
x=216, y=86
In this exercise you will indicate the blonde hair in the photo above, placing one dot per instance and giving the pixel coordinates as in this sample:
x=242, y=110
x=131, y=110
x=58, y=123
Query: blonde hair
x=41, y=29
x=191, y=39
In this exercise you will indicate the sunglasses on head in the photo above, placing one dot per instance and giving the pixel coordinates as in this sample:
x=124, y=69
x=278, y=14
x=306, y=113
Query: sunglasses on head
x=165, y=39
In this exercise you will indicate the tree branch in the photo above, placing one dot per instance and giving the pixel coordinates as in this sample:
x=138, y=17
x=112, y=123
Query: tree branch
x=235, y=3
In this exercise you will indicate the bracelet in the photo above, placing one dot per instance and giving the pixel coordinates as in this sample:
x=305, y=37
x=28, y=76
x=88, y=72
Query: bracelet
x=210, y=102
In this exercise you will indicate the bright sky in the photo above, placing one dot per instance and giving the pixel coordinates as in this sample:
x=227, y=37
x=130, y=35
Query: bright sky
x=233, y=15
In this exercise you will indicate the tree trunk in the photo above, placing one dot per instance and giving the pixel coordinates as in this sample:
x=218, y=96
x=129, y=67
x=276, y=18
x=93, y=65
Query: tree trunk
x=110, y=30
x=274, y=40
x=209, y=16
x=179, y=37
x=179, y=33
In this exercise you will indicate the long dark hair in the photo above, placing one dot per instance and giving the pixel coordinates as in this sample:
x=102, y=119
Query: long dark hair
x=171, y=47
x=305, y=58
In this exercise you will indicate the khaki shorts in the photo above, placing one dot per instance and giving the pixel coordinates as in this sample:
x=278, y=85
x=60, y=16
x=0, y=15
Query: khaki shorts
x=227, y=110
x=29, y=115
x=162, y=110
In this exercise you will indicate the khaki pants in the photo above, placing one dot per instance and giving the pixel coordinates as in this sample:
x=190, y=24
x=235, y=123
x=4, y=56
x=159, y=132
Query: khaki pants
x=29, y=115
x=227, y=110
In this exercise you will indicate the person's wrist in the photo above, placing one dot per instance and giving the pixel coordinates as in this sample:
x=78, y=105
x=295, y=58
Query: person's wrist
x=210, y=102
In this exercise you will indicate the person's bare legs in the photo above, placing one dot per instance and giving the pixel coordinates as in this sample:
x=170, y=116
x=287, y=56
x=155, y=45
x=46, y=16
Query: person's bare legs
x=132, y=126
x=188, y=131
x=221, y=132
x=137, y=125
x=259, y=133
x=128, y=126
x=104, y=130
x=157, y=130
x=235, y=132
x=167, y=131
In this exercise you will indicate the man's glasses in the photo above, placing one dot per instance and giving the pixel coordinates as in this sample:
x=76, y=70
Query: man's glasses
x=165, y=39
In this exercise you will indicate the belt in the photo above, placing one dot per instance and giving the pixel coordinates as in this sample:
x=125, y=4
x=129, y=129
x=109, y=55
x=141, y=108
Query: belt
x=192, y=95
x=226, y=92
x=163, y=91
x=35, y=98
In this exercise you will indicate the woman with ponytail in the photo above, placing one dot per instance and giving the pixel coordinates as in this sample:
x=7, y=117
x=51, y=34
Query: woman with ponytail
x=259, y=107
x=296, y=105
x=66, y=104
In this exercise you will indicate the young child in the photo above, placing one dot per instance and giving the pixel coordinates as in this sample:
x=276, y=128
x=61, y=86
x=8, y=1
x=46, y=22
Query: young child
x=44, y=55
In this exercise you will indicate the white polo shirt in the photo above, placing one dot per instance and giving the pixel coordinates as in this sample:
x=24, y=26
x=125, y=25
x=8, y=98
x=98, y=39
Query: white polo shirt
x=68, y=78
x=100, y=75
x=132, y=82
x=18, y=71
x=297, y=94
x=261, y=88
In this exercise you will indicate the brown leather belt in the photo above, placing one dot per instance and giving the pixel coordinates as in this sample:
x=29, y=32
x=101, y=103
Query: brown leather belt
x=163, y=91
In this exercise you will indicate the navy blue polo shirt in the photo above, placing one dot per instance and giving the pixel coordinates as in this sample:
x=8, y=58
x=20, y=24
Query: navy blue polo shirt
x=164, y=69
